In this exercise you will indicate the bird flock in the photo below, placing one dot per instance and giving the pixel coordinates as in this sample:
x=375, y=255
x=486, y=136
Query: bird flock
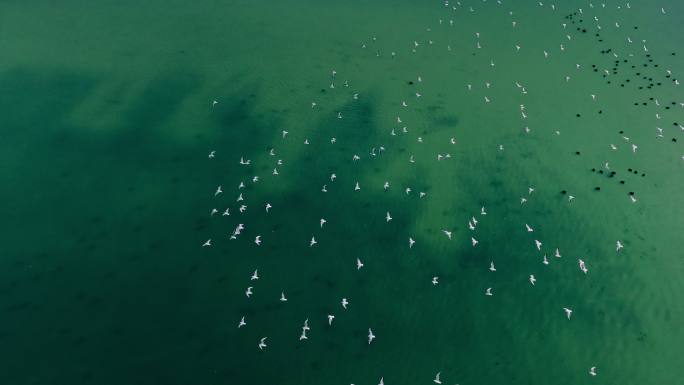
x=571, y=27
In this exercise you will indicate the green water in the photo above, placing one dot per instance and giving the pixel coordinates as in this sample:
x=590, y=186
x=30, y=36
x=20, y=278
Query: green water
x=106, y=123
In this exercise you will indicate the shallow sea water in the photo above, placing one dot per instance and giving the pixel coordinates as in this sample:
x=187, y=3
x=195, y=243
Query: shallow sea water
x=106, y=121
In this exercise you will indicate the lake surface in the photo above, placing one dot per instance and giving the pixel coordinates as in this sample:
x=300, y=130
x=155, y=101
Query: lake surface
x=120, y=120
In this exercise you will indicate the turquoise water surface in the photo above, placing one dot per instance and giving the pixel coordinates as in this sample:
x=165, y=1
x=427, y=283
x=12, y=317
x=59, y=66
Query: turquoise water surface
x=120, y=120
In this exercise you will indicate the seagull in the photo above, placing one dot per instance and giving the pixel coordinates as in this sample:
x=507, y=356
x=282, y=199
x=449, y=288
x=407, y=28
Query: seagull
x=248, y=293
x=437, y=380
x=262, y=343
x=282, y=297
x=557, y=253
x=255, y=275
x=214, y=103
x=488, y=291
x=242, y=322
x=357, y=187
x=371, y=337
x=268, y=206
x=359, y=264
x=568, y=312
x=474, y=241
x=545, y=261
x=592, y=370
x=257, y=240
x=207, y=243
x=411, y=242
x=212, y=154
x=532, y=279
x=618, y=246
x=538, y=244
x=330, y=319
x=345, y=303
x=322, y=222
x=382, y=382
x=447, y=233
x=470, y=225
x=313, y=242
x=388, y=217
x=435, y=280
x=529, y=229
x=582, y=266
x=306, y=324
x=491, y=266
x=218, y=191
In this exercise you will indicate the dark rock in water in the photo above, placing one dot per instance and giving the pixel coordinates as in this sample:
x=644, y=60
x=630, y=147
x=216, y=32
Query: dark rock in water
x=597, y=188
x=563, y=192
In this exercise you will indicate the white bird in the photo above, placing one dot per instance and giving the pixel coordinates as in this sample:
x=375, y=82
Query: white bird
x=582, y=266
x=255, y=275
x=218, y=191
x=618, y=246
x=488, y=291
x=482, y=211
x=357, y=187
x=312, y=242
x=242, y=322
x=330, y=319
x=447, y=233
x=545, y=261
x=471, y=226
x=303, y=336
x=212, y=154
x=371, y=337
x=592, y=370
x=411, y=242
x=437, y=380
x=262, y=343
x=557, y=253
x=538, y=244
x=345, y=303
x=282, y=297
x=322, y=222
x=474, y=241
x=435, y=280
x=568, y=312
x=306, y=324
x=268, y=206
x=207, y=243
x=529, y=229
x=532, y=279
x=388, y=217
x=491, y=266
x=359, y=264
x=257, y=240
x=382, y=382
x=248, y=293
